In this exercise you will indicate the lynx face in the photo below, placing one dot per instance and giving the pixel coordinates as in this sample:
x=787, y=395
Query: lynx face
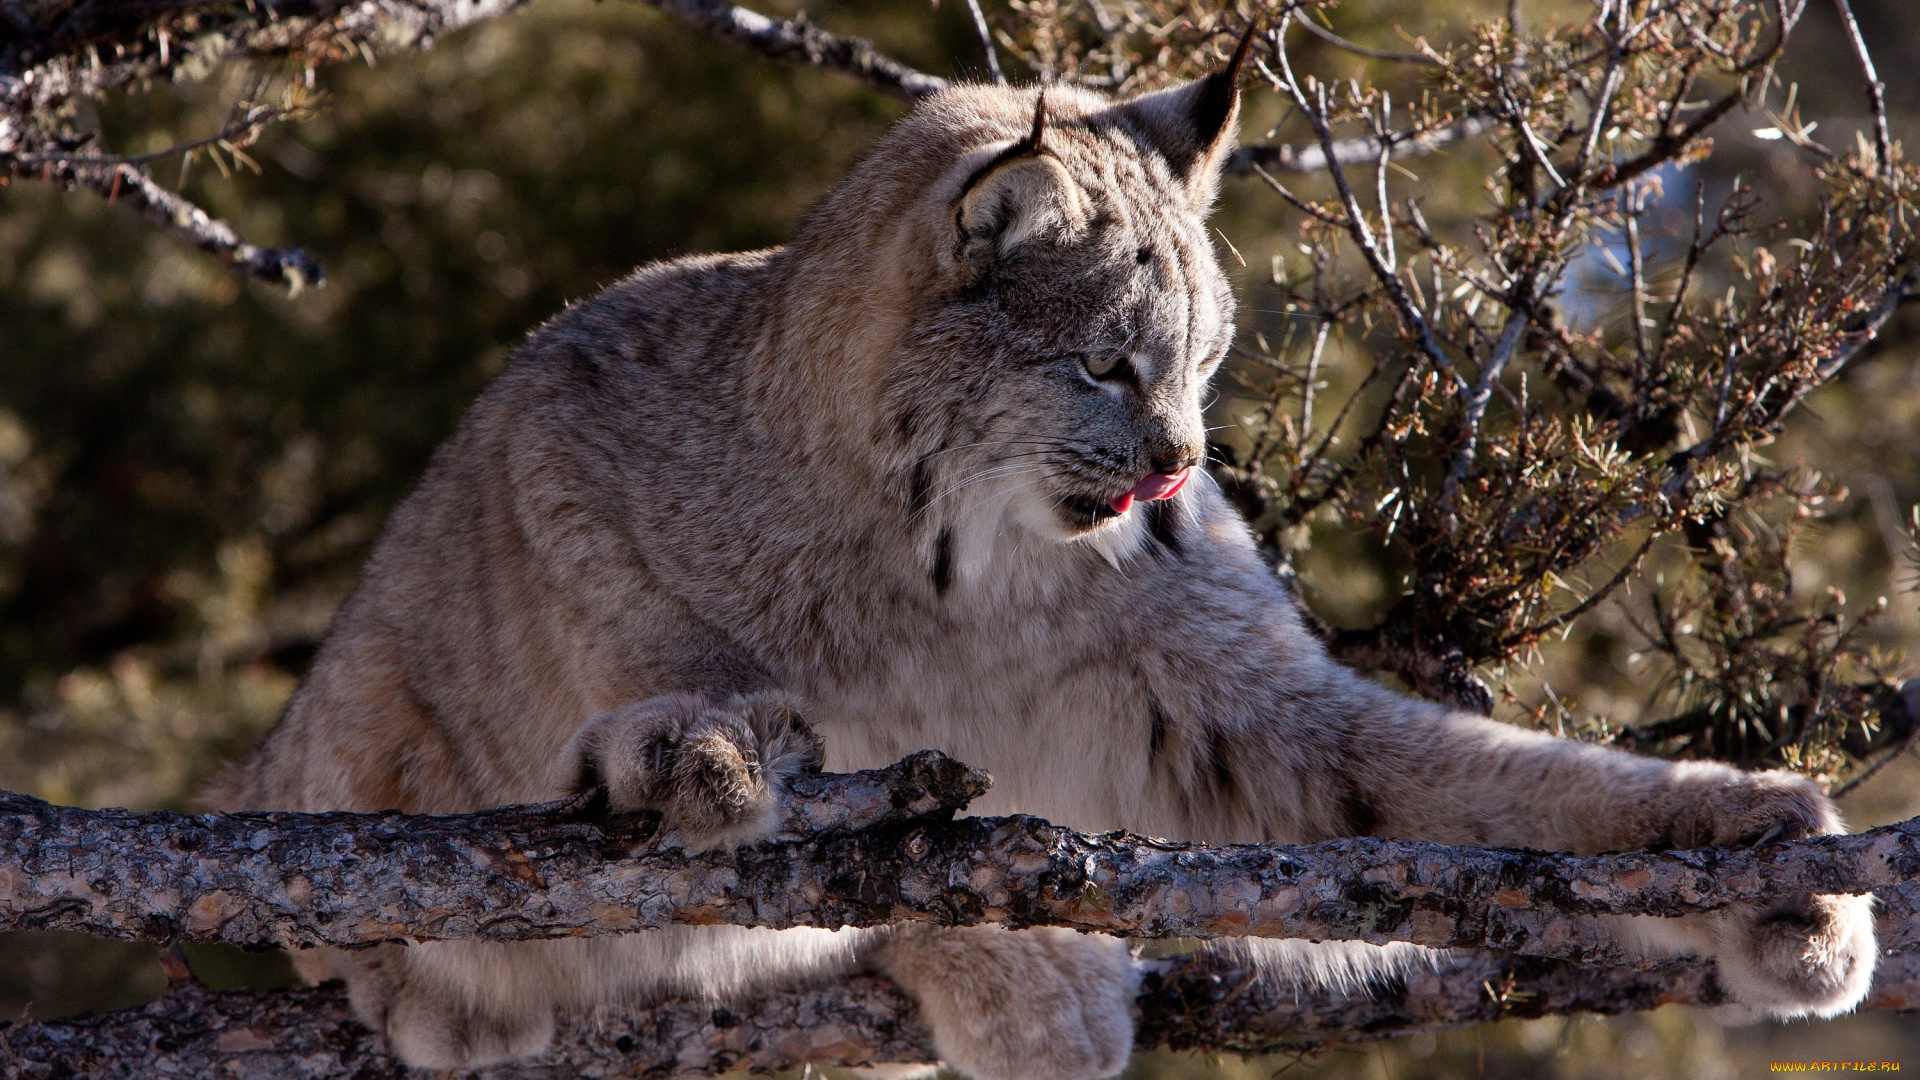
x=1087, y=311
x=1100, y=348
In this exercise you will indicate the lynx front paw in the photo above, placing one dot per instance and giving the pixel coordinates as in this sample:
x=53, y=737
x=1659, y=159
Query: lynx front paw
x=1020, y=1005
x=1720, y=806
x=1802, y=956
x=712, y=769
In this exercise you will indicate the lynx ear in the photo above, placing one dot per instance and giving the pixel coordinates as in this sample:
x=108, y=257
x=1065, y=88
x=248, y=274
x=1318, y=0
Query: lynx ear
x=1193, y=125
x=1023, y=193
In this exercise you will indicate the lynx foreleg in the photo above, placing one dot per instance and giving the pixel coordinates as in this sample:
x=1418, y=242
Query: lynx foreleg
x=713, y=768
x=1427, y=774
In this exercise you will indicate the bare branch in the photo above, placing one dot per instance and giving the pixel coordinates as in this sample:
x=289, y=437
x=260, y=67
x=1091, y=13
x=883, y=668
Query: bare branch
x=292, y=268
x=1356, y=223
x=1298, y=203
x=1339, y=42
x=797, y=39
x=56, y=52
x=241, y=132
x=1876, y=90
x=1637, y=272
x=1518, y=320
x=1417, y=142
x=986, y=42
x=865, y=849
x=1203, y=1002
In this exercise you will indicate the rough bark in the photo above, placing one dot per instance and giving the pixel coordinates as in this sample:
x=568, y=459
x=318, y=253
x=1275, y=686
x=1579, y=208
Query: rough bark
x=1202, y=1002
x=863, y=849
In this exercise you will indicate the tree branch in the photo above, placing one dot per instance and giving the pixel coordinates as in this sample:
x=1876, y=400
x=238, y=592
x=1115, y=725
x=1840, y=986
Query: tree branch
x=1313, y=158
x=864, y=849
x=1876, y=90
x=860, y=849
x=54, y=52
x=1358, y=49
x=1201, y=1002
x=1412, y=321
x=293, y=268
x=87, y=47
x=797, y=39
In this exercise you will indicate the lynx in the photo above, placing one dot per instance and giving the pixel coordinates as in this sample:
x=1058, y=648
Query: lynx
x=928, y=476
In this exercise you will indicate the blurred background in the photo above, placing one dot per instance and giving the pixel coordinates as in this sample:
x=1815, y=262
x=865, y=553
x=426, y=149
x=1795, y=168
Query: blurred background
x=193, y=465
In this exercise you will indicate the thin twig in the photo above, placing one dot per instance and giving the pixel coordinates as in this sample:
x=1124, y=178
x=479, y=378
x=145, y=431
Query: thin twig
x=1636, y=265
x=1310, y=209
x=1356, y=219
x=256, y=118
x=1566, y=617
x=1313, y=158
x=1313, y=372
x=1876, y=90
x=1357, y=49
x=797, y=39
x=986, y=42
x=291, y=268
x=1518, y=320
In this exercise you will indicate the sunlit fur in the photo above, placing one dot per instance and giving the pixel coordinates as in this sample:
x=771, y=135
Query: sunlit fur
x=866, y=470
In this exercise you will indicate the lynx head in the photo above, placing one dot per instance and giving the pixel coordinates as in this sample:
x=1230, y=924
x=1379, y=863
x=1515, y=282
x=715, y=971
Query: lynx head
x=1048, y=304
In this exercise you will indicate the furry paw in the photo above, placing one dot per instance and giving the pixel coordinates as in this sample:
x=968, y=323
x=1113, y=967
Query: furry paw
x=437, y=1030
x=1810, y=956
x=431, y=1025
x=1802, y=956
x=1718, y=806
x=1016, y=1005
x=712, y=769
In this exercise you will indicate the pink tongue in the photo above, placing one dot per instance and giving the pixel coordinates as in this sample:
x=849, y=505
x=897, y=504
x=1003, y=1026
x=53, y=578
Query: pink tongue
x=1156, y=486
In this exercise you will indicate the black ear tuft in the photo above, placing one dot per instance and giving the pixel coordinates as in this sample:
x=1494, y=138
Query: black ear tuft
x=1192, y=125
x=1021, y=193
x=1219, y=92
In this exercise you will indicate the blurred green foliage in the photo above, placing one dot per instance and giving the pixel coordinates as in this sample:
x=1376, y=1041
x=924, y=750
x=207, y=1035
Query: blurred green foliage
x=192, y=466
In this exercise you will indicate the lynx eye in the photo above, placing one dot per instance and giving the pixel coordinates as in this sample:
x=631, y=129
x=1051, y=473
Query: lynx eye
x=1105, y=365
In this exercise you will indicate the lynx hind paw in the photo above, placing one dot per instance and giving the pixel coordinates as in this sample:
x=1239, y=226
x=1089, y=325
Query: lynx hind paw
x=432, y=1027
x=1016, y=1005
x=713, y=769
x=438, y=1031
x=1813, y=956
